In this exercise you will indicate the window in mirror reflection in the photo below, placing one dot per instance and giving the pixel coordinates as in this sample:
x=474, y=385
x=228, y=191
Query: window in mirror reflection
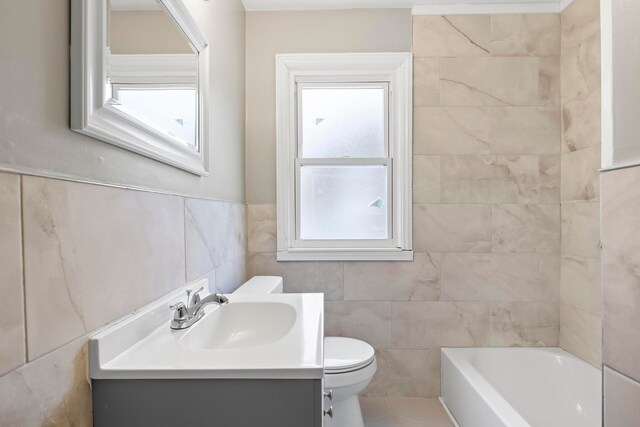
x=153, y=70
x=171, y=110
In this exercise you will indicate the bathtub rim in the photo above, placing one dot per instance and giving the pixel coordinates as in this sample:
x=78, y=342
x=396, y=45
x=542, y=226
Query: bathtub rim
x=503, y=410
x=461, y=359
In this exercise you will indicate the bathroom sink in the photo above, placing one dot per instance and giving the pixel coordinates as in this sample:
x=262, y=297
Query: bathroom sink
x=251, y=337
x=241, y=325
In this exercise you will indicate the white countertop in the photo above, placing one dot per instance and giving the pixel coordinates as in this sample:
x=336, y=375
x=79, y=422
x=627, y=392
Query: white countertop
x=138, y=348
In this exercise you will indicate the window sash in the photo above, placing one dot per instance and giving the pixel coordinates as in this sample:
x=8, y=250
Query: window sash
x=295, y=225
x=389, y=242
x=337, y=83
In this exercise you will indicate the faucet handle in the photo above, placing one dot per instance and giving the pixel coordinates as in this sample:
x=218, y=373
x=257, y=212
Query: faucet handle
x=180, y=310
x=195, y=299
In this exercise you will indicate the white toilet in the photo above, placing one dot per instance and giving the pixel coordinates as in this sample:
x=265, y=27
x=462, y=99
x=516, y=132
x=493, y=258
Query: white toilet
x=349, y=365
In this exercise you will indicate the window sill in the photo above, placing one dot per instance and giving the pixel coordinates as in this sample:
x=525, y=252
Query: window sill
x=345, y=255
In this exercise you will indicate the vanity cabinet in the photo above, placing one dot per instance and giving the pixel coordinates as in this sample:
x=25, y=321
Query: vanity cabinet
x=208, y=402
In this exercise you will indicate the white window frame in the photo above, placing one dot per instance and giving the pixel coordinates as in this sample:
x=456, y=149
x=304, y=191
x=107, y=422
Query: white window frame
x=390, y=70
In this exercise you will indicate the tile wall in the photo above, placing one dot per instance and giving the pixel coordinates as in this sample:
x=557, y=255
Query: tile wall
x=487, y=216
x=621, y=286
x=581, y=294
x=76, y=256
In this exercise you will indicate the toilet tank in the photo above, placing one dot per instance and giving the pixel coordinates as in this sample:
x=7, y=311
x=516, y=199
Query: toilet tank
x=261, y=285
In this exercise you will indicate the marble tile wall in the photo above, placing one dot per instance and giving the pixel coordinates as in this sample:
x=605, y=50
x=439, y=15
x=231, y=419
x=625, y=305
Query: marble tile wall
x=621, y=399
x=91, y=254
x=581, y=313
x=487, y=219
x=621, y=294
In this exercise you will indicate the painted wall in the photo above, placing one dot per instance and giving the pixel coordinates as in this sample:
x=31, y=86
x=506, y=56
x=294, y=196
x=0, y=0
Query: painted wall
x=270, y=33
x=581, y=300
x=34, y=105
x=486, y=193
x=620, y=192
x=75, y=256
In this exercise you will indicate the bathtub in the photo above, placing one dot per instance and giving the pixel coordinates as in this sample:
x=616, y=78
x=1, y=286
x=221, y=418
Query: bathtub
x=520, y=387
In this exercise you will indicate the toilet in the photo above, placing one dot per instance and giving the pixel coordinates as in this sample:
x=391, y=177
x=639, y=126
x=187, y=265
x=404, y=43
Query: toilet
x=349, y=365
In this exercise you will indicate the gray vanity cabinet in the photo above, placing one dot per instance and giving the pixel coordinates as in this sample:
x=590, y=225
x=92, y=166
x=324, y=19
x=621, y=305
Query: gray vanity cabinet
x=207, y=402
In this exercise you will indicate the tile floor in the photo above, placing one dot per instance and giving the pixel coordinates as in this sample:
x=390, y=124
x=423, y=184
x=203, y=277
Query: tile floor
x=403, y=412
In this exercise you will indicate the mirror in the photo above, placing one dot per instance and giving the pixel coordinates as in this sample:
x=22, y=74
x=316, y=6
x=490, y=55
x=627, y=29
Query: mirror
x=152, y=69
x=138, y=78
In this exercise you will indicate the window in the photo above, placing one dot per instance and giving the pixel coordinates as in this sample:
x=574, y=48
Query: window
x=168, y=108
x=344, y=157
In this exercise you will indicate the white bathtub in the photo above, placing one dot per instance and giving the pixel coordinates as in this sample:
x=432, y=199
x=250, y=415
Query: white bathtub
x=520, y=387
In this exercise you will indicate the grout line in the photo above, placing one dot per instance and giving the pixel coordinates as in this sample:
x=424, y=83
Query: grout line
x=24, y=280
x=25, y=171
x=184, y=237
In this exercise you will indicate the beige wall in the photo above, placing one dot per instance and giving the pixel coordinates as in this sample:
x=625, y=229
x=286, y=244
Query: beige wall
x=620, y=192
x=581, y=313
x=150, y=32
x=270, y=33
x=75, y=256
x=34, y=104
x=486, y=219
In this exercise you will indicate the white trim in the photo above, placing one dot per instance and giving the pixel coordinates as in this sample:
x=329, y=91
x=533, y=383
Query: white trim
x=394, y=68
x=490, y=8
x=155, y=68
x=337, y=254
x=91, y=112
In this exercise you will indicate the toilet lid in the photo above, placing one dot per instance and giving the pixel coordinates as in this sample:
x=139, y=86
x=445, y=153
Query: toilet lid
x=346, y=354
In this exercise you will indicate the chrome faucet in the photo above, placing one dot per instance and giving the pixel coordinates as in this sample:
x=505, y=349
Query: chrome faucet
x=186, y=315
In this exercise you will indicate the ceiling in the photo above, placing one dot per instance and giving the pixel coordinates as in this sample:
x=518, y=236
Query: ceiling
x=363, y=4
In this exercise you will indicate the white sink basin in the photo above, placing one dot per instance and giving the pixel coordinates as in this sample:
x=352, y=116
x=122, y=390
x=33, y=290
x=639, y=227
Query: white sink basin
x=241, y=325
x=254, y=336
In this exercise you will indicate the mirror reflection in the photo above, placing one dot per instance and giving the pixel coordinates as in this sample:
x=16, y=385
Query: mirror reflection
x=152, y=70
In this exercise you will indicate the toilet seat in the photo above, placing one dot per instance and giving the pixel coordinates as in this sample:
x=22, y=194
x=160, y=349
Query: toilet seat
x=343, y=355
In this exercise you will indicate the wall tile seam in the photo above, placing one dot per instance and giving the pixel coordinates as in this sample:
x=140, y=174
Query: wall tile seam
x=22, y=174
x=580, y=309
x=492, y=204
x=470, y=57
x=615, y=370
x=569, y=254
x=88, y=334
x=23, y=274
x=85, y=361
x=579, y=201
x=471, y=155
x=487, y=106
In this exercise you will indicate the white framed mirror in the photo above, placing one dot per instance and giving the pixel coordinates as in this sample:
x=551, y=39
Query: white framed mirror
x=139, y=79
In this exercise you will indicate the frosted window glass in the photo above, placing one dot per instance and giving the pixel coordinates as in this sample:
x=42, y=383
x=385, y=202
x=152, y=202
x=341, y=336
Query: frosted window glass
x=173, y=111
x=343, y=122
x=343, y=202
